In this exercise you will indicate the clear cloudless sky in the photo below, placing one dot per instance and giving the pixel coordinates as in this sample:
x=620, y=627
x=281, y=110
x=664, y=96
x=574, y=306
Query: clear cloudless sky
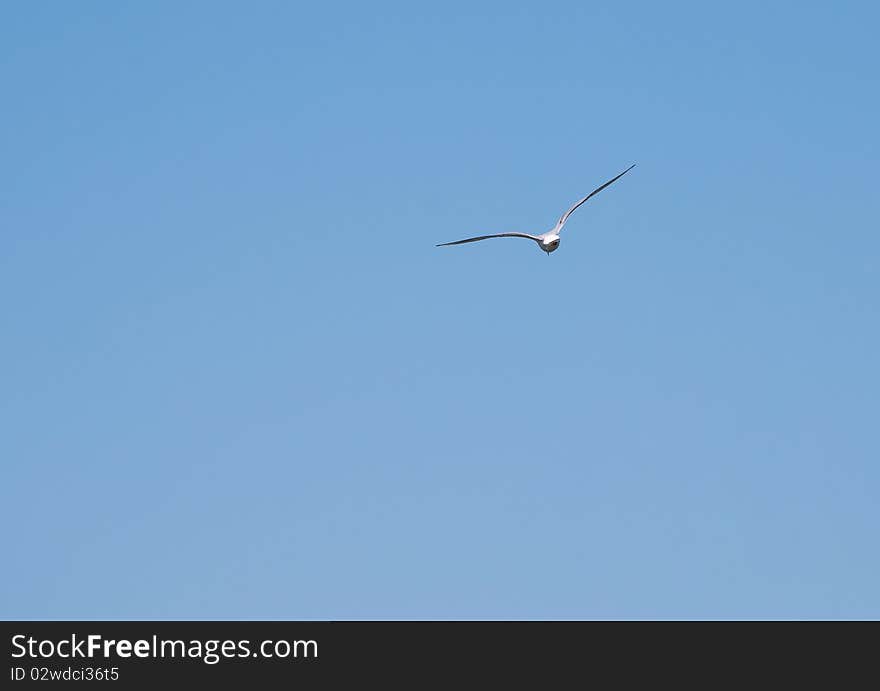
x=238, y=381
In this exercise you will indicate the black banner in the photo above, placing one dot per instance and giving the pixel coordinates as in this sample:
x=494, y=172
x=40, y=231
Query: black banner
x=135, y=654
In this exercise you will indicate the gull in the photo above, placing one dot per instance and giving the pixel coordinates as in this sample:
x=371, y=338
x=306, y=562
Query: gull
x=548, y=241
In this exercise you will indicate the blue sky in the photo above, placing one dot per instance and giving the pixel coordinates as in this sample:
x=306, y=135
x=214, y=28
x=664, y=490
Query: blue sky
x=240, y=382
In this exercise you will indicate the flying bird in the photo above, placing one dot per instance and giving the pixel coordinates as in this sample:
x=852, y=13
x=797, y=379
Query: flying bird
x=548, y=241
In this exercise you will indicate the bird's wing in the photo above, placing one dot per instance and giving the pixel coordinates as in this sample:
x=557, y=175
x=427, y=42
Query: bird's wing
x=568, y=213
x=486, y=237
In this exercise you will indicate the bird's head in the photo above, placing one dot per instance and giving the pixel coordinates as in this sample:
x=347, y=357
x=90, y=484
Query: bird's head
x=550, y=243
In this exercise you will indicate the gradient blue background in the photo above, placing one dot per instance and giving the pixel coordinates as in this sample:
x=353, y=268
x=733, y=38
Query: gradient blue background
x=237, y=379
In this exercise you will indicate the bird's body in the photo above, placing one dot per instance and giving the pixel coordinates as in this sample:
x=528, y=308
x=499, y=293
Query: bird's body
x=549, y=241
